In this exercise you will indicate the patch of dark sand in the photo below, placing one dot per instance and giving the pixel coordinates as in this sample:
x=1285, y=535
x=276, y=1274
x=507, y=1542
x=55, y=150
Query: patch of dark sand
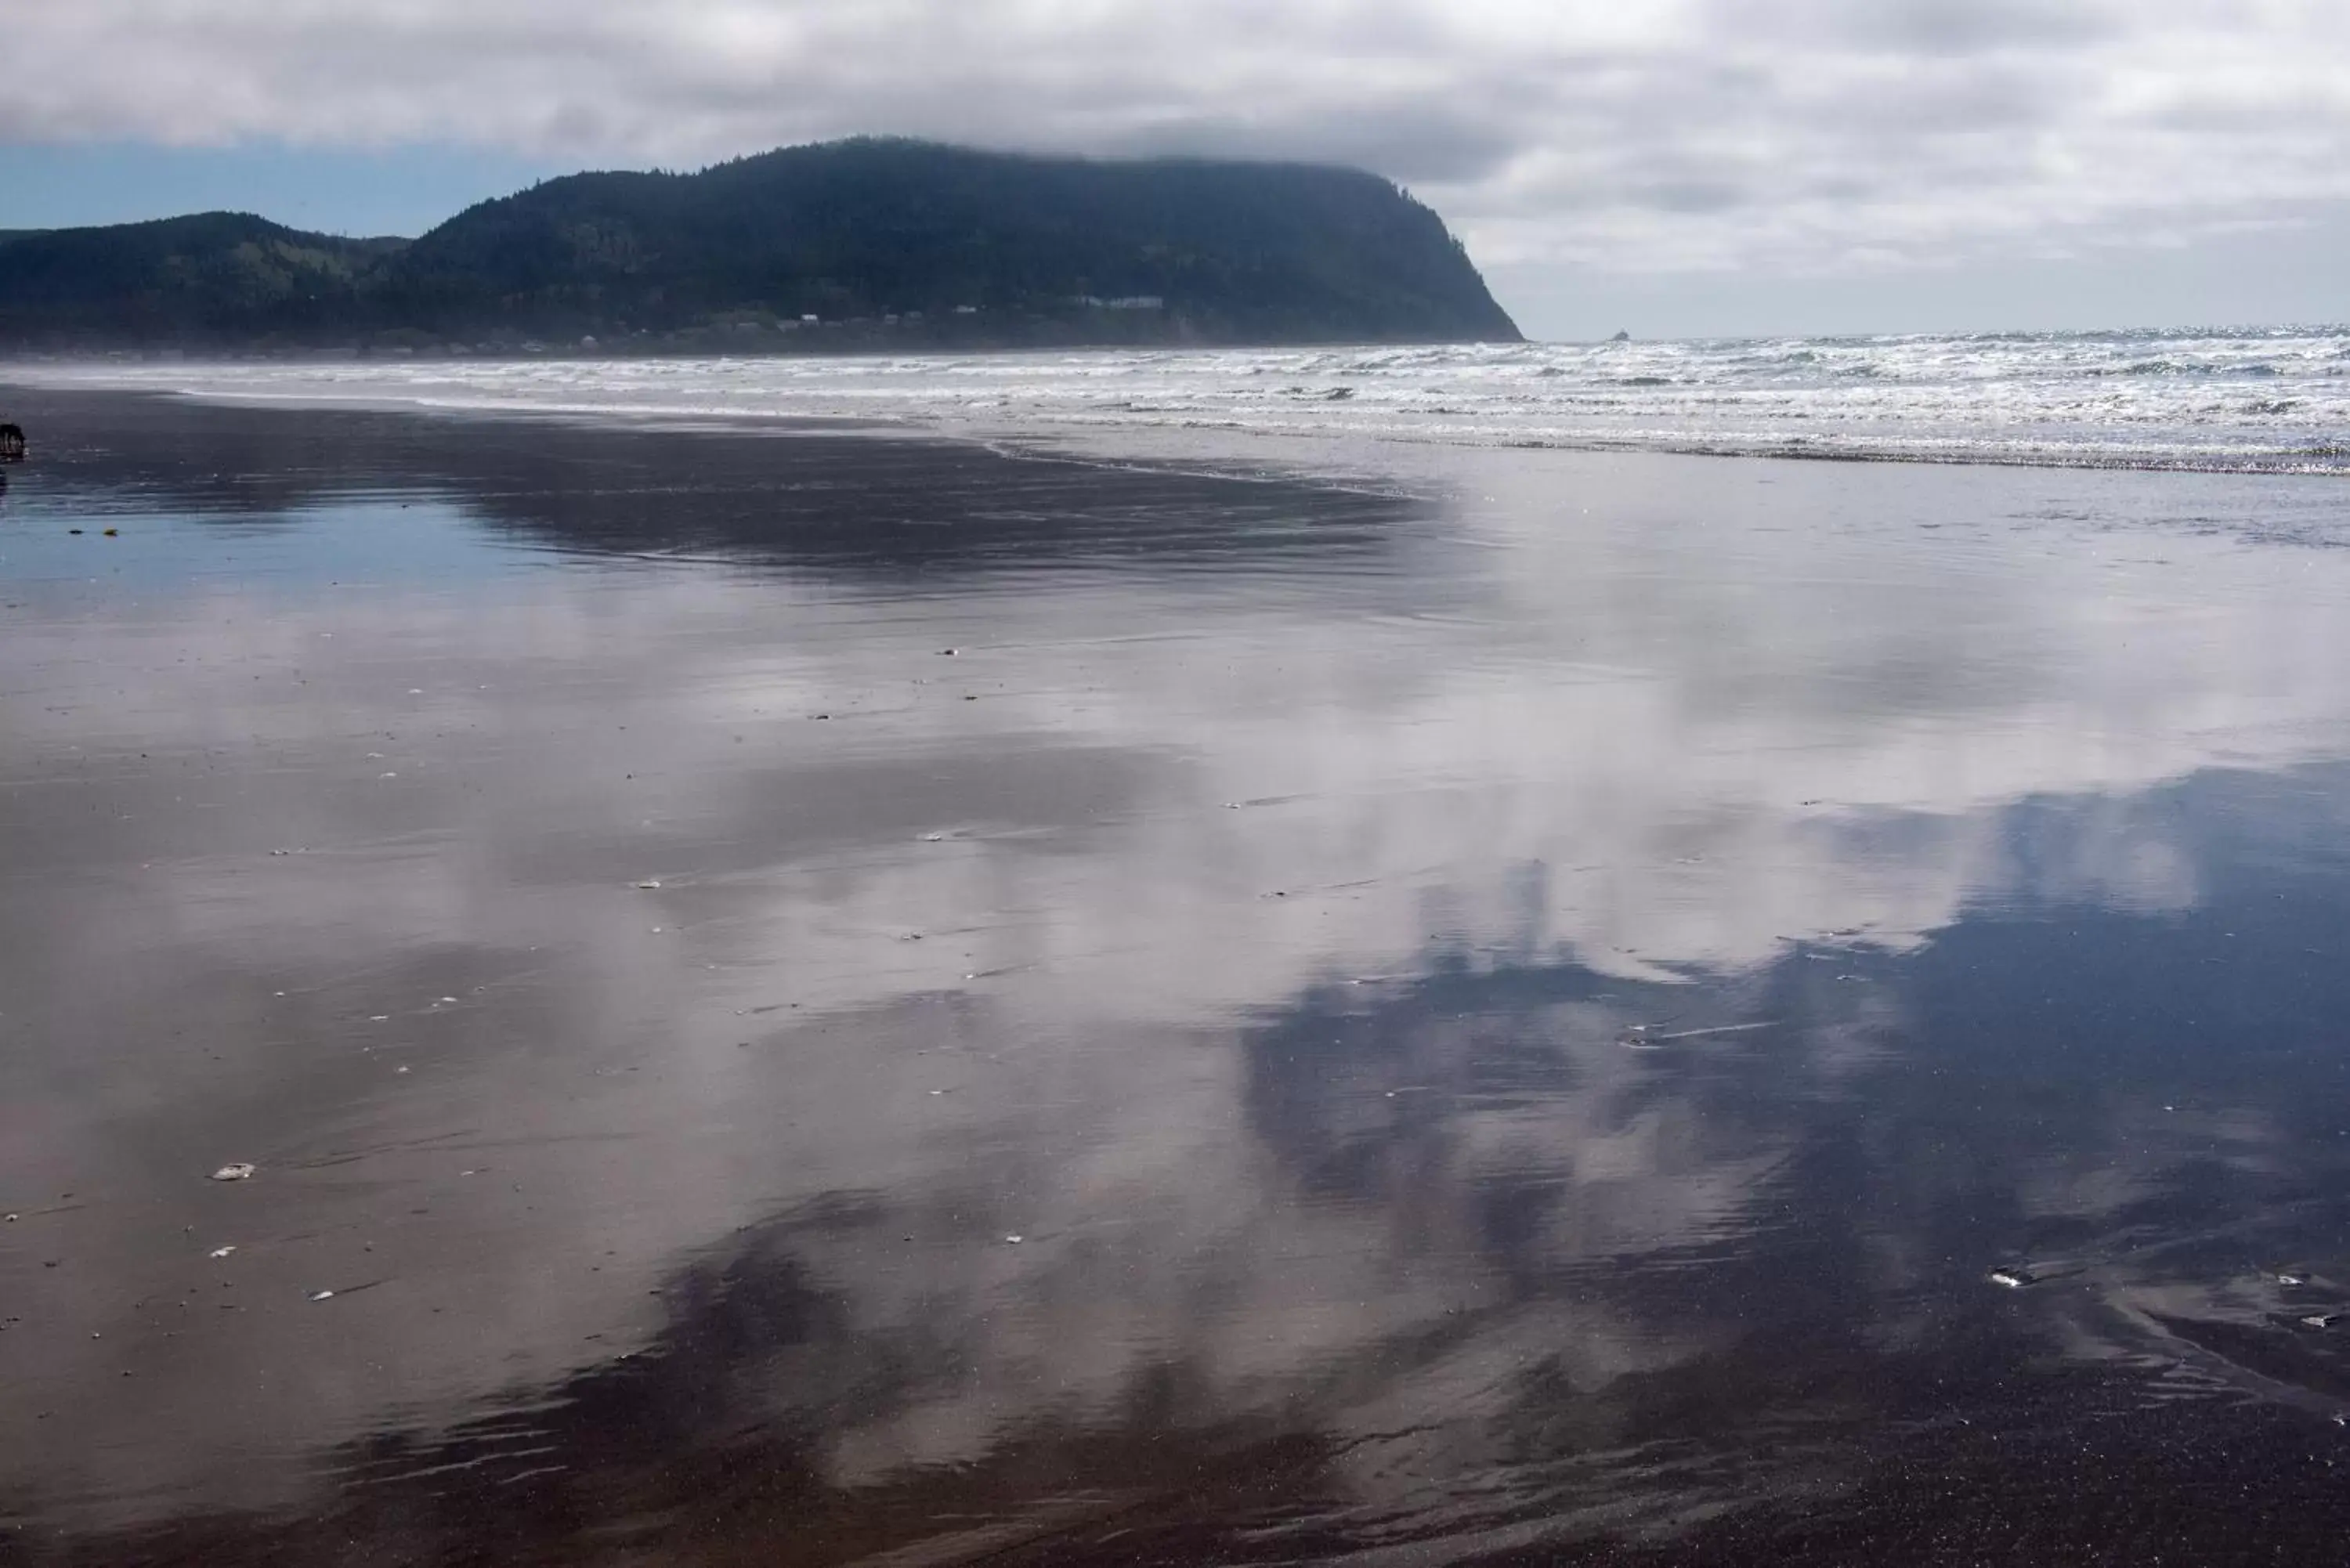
x=787, y=495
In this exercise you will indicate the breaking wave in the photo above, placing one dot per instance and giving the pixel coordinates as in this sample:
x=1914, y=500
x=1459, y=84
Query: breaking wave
x=2266, y=400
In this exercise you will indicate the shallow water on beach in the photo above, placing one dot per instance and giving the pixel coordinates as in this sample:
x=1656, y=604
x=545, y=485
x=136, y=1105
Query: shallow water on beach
x=816, y=998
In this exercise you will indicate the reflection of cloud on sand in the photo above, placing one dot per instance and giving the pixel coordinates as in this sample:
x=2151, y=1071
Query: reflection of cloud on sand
x=1681, y=729
x=1482, y=1268
x=1075, y=961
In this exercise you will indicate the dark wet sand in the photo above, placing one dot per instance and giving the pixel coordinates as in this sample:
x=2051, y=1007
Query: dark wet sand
x=1510, y=1014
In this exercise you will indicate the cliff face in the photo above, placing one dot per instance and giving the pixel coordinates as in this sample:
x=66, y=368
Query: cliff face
x=879, y=241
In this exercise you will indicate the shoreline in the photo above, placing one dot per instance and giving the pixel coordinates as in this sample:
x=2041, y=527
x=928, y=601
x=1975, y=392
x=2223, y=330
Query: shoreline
x=1488, y=398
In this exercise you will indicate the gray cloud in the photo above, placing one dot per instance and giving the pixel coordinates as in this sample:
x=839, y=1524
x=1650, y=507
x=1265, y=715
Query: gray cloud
x=1936, y=27
x=1789, y=137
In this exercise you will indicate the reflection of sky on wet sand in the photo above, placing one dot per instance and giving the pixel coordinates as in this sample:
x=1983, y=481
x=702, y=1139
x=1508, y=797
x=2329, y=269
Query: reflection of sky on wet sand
x=1309, y=959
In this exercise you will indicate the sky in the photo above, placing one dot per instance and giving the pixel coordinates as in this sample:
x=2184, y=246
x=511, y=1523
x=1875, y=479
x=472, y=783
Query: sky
x=1671, y=167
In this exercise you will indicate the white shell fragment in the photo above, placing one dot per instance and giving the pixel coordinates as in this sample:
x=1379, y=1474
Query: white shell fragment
x=238, y=1171
x=321, y=1296
x=220, y=1252
x=2013, y=1279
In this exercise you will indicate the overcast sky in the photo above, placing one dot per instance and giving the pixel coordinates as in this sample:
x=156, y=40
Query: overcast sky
x=1672, y=166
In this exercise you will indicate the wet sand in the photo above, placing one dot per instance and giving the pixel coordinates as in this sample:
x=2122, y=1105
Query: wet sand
x=812, y=998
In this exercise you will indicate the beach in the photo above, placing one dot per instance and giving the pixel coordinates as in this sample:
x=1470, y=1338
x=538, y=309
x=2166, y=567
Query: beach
x=822, y=991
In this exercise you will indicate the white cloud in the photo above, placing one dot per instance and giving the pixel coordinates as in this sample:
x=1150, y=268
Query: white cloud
x=1793, y=136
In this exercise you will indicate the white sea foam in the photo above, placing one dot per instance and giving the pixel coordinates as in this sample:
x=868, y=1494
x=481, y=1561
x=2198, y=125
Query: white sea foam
x=2267, y=400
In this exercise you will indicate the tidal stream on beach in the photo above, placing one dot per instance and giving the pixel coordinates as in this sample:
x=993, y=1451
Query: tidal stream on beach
x=813, y=995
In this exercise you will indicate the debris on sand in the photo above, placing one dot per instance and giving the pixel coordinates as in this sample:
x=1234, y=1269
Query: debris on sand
x=2291, y=1280
x=320, y=1296
x=220, y=1252
x=2013, y=1279
x=1641, y=1037
x=648, y=887
x=2322, y=1319
x=1014, y=1241
x=236, y=1170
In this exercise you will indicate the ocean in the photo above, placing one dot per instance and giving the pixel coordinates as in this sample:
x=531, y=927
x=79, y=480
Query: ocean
x=2274, y=399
